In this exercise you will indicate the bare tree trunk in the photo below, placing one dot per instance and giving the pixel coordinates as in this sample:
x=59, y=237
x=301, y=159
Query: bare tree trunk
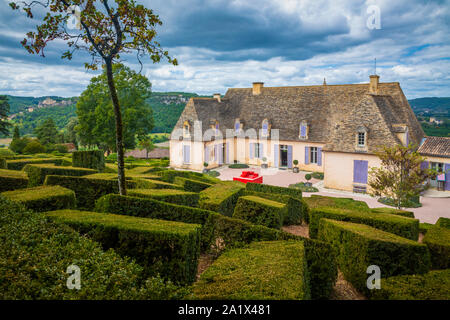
x=119, y=129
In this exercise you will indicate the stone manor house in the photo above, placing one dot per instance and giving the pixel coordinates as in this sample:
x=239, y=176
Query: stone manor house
x=334, y=129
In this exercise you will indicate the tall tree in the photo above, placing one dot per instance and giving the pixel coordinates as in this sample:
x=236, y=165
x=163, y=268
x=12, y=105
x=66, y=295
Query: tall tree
x=147, y=144
x=400, y=176
x=46, y=132
x=4, y=110
x=16, y=133
x=71, y=133
x=108, y=29
x=95, y=111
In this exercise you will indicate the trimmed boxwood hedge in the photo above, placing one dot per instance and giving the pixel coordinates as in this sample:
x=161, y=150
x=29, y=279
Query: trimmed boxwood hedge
x=274, y=270
x=222, y=197
x=169, y=176
x=3, y=163
x=402, y=226
x=438, y=241
x=434, y=285
x=260, y=187
x=88, y=190
x=316, y=201
x=358, y=246
x=37, y=172
x=168, y=195
x=168, y=248
x=12, y=180
x=404, y=213
x=43, y=198
x=260, y=211
x=296, y=208
x=191, y=185
x=443, y=222
x=151, y=184
x=424, y=227
x=35, y=254
x=150, y=208
x=91, y=159
x=19, y=164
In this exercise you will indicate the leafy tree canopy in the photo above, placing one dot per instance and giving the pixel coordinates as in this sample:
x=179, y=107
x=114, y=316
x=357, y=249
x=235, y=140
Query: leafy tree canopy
x=46, y=132
x=96, y=125
x=4, y=110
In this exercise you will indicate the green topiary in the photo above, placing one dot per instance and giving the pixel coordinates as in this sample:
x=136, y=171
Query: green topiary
x=403, y=213
x=43, y=198
x=19, y=164
x=260, y=211
x=358, y=246
x=443, y=222
x=37, y=172
x=3, y=163
x=34, y=147
x=191, y=185
x=168, y=195
x=238, y=166
x=92, y=159
x=12, y=180
x=260, y=187
x=264, y=270
x=168, y=248
x=221, y=197
x=438, y=241
x=308, y=176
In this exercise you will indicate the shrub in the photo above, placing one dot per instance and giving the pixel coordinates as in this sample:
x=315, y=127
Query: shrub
x=403, y=213
x=43, y=198
x=315, y=201
x=443, y=222
x=191, y=185
x=169, y=176
x=21, y=163
x=438, y=241
x=221, y=197
x=168, y=248
x=303, y=188
x=12, y=180
x=150, y=208
x=238, y=166
x=308, y=176
x=294, y=206
x=92, y=159
x=35, y=254
x=37, y=172
x=434, y=285
x=264, y=270
x=424, y=227
x=33, y=147
x=213, y=173
x=3, y=163
x=17, y=145
x=168, y=195
x=260, y=211
x=88, y=190
x=6, y=153
x=260, y=187
x=411, y=203
x=402, y=226
x=358, y=246
x=318, y=175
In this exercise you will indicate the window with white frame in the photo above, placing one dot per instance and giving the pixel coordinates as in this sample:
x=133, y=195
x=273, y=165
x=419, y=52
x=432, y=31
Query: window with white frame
x=186, y=128
x=361, y=139
x=313, y=155
x=257, y=150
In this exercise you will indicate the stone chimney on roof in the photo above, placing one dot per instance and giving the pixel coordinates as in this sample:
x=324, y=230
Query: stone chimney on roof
x=373, y=86
x=217, y=97
x=257, y=87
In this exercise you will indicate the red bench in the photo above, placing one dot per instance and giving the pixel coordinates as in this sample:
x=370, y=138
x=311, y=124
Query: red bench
x=249, y=176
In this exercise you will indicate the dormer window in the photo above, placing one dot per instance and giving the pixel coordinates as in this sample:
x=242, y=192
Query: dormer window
x=217, y=127
x=265, y=127
x=361, y=137
x=237, y=126
x=186, y=128
x=303, y=130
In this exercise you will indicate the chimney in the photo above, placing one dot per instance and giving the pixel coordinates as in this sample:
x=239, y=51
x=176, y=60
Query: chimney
x=373, y=86
x=257, y=86
x=217, y=96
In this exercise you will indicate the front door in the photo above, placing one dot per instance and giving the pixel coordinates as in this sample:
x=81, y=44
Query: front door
x=283, y=156
x=439, y=167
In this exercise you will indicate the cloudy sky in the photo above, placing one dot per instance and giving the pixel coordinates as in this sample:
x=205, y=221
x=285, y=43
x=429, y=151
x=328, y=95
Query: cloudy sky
x=232, y=43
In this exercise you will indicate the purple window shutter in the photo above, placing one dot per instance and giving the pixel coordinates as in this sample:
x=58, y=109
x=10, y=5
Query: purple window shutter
x=275, y=155
x=302, y=131
x=424, y=165
x=261, y=153
x=227, y=154
x=216, y=154
x=447, y=176
x=290, y=157
x=360, y=170
x=252, y=149
x=319, y=156
x=206, y=154
x=220, y=147
x=306, y=155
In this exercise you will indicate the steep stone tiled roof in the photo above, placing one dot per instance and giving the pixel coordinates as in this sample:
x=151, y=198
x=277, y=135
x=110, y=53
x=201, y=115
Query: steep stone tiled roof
x=436, y=146
x=333, y=113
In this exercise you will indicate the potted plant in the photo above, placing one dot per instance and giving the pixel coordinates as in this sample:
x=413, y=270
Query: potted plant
x=205, y=165
x=295, y=169
x=308, y=177
x=264, y=164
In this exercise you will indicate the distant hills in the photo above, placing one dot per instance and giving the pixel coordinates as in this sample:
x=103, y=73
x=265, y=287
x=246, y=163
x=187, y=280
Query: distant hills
x=167, y=107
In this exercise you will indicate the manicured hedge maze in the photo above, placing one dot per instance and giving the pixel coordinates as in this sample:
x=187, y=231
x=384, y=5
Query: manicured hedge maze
x=37, y=172
x=260, y=211
x=358, y=246
x=19, y=164
x=168, y=248
x=443, y=222
x=402, y=226
x=168, y=195
x=265, y=270
x=222, y=197
x=3, y=163
x=43, y=198
x=260, y=187
x=12, y=180
x=92, y=159
x=191, y=185
x=403, y=213
x=438, y=241
x=170, y=175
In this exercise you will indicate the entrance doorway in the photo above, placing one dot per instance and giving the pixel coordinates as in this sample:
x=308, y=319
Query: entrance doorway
x=283, y=156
